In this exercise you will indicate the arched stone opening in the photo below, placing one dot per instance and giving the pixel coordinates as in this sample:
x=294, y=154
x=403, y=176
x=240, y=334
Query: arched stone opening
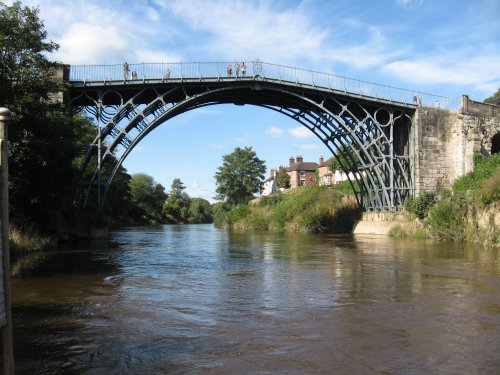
x=495, y=144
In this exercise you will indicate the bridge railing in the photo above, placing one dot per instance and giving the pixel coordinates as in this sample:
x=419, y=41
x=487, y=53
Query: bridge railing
x=256, y=68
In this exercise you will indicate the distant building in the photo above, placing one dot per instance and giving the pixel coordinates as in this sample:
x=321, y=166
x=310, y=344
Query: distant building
x=269, y=186
x=301, y=173
x=326, y=176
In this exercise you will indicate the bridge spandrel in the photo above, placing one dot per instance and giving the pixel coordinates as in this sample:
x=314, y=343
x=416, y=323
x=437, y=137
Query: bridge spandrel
x=373, y=131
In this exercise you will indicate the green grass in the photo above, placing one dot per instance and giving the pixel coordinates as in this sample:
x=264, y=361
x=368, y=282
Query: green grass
x=484, y=168
x=309, y=209
x=28, y=241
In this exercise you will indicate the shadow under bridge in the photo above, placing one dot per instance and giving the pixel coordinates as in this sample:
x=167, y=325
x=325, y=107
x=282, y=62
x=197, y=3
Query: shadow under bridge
x=366, y=127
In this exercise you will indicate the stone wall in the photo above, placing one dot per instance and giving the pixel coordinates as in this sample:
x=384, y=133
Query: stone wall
x=445, y=142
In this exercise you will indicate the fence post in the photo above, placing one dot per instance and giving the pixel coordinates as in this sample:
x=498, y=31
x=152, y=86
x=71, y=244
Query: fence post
x=5, y=313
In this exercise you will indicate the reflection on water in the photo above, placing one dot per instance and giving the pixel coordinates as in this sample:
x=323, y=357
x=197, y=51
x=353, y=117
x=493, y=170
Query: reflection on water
x=194, y=299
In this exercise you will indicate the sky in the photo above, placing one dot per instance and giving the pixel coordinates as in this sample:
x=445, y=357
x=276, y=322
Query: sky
x=445, y=47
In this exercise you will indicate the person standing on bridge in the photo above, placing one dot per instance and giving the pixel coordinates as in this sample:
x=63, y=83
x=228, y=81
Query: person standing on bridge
x=125, y=71
x=237, y=69
x=229, y=70
x=243, y=69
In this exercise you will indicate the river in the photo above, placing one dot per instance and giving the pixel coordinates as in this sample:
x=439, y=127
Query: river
x=193, y=299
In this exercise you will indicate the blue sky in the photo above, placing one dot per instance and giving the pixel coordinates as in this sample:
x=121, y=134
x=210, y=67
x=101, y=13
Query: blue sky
x=446, y=47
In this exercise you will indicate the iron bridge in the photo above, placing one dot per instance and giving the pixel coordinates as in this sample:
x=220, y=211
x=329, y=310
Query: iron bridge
x=366, y=126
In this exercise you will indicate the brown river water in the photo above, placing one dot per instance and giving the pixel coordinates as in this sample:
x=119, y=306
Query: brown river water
x=197, y=300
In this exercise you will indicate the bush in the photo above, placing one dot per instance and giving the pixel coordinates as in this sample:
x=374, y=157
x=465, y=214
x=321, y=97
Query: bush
x=270, y=200
x=420, y=206
x=239, y=213
x=28, y=241
x=446, y=220
x=490, y=190
x=484, y=168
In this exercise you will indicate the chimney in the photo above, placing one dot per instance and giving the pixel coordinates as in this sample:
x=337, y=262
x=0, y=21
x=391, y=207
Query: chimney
x=292, y=161
x=300, y=159
x=321, y=160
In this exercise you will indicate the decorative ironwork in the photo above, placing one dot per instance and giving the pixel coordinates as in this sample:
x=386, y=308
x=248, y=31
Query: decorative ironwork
x=370, y=137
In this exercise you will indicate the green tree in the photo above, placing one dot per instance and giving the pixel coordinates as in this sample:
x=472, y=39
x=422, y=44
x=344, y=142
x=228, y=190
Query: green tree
x=341, y=160
x=177, y=205
x=42, y=135
x=239, y=176
x=148, y=196
x=200, y=211
x=283, y=179
x=493, y=97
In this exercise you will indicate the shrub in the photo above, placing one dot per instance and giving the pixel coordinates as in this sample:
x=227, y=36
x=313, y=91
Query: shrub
x=484, y=168
x=271, y=200
x=490, y=190
x=420, y=206
x=446, y=220
x=27, y=241
x=239, y=213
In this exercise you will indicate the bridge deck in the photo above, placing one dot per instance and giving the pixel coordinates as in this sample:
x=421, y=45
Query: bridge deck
x=85, y=77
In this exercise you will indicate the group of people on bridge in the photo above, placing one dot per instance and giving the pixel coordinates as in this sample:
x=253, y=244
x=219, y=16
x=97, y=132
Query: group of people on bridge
x=237, y=68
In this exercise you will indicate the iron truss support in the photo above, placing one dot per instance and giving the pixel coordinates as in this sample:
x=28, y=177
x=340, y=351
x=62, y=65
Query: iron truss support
x=370, y=140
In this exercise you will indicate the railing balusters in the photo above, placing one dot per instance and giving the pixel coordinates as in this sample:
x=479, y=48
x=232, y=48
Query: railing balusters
x=285, y=74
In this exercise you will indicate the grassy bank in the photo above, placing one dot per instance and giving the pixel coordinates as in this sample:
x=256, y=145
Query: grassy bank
x=469, y=211
x=309, y=209
x=27, y=248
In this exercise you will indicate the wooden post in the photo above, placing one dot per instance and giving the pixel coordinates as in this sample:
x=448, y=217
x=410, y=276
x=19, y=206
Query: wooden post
x=5, y=308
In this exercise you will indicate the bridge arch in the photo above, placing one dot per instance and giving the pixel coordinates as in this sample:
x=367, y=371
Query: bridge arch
x=370, y=140
x=495, y=144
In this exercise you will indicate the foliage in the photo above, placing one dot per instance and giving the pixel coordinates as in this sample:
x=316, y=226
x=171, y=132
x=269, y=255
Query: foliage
x=342, y=160
x=283, y=179
x=42, y=136
x=200, y=211
x=446, y=220
x=270, y=200
x=239, y=177
x=489, y=192
x=311, y=209
x=484, y=167
x=148, y=196
x=176, y=206
x=420, y=206
x=346, y=187
x=493, y=97
x=28, y=240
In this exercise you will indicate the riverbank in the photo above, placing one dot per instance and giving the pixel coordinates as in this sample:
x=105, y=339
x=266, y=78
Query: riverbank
x=468, y=212
x=315, y=209
x=28, y=248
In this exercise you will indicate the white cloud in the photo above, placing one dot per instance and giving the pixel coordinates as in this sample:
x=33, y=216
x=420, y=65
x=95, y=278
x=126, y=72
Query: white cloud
x=243, y=140
x=301, y=132
x=481, y=72
x=274, y=132
x=216, y=146
x=410, y=4
x=309, y=147
x=196, y=184
x=238, y=29
x=84, y=43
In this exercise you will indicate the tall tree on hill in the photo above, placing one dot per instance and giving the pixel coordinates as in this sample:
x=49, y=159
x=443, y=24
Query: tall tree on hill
x=239, y=176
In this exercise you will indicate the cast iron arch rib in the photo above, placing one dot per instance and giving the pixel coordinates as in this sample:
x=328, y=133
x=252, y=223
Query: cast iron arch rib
x=360, y=133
